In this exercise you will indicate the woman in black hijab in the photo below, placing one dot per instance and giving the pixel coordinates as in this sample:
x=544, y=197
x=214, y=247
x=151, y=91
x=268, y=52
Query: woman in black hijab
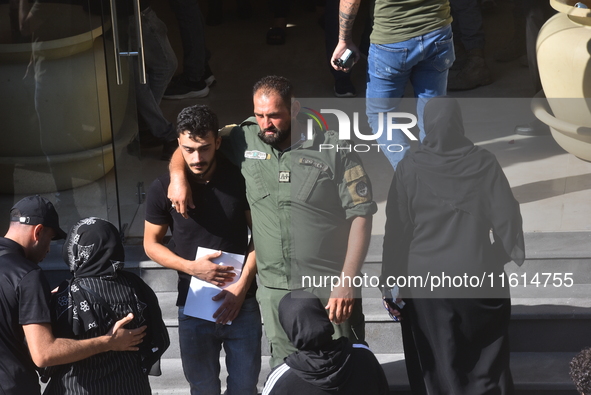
x=87, y=305
x=446, y=202
x=321, y=365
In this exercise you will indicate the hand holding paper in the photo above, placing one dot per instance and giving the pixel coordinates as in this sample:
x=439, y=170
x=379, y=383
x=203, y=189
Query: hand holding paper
x=205, y=299
x=207, y=269
x=232, y=301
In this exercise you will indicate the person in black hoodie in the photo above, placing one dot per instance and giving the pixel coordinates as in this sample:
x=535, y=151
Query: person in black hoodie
x=321, y=365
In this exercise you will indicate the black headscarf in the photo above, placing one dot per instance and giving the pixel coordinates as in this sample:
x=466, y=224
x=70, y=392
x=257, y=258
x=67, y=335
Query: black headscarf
x=465, y=176
x=93, y=248
x=320, y=360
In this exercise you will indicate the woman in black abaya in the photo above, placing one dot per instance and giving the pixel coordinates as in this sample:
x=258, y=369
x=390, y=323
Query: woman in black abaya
x=87, y=306
x=446, y=202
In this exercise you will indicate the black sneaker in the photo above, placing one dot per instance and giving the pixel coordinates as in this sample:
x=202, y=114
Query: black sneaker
x=208, y=76
x=183, y=88
x=344, y=88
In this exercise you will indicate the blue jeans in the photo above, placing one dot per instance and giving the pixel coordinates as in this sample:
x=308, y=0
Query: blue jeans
x=161, y=64
x=424, y=61
x=201, y=342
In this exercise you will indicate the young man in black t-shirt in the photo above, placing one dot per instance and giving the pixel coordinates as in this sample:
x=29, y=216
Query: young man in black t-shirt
x=219, y=221
x=24, y=304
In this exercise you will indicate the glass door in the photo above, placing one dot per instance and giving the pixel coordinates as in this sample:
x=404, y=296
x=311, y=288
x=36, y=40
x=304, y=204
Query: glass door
x=67, y=106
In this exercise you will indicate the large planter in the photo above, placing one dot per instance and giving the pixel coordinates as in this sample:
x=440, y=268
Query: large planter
x=54, y=103
x=564, y=53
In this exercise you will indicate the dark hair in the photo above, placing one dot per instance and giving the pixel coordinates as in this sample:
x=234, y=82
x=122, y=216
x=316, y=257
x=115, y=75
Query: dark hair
x=275, y=84
x=198, y=121
x=580, y=371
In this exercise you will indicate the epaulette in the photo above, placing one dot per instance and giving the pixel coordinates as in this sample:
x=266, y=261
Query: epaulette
x=332, y=137
x=249, y=121
x=225, y=131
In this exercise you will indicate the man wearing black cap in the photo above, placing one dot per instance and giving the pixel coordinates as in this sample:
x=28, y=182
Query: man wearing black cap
x=24, y=303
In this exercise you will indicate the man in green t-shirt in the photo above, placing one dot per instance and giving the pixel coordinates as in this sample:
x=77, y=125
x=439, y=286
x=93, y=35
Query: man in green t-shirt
x=311, y=210
x=411, y=42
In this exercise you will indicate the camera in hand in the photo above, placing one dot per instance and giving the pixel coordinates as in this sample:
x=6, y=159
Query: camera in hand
x=346, y=60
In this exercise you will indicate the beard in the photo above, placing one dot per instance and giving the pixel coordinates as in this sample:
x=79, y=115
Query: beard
x=203, y=171
x=280, y=135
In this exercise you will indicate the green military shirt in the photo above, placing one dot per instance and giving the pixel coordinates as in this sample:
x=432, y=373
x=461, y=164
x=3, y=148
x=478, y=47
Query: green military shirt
x=400, y=20
x=302, y=201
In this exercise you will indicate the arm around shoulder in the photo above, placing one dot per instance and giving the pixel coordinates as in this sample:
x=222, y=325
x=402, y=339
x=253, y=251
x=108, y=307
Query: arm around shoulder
x=179, y=192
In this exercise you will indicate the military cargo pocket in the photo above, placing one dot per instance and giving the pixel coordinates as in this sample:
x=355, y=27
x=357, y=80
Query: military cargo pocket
x=256, y=189
x=310, y=174
x=308, y=184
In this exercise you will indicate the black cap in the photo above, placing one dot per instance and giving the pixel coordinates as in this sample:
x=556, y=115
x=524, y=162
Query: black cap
x=36, y=210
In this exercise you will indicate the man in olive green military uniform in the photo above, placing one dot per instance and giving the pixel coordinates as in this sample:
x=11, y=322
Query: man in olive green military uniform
x=311, y=210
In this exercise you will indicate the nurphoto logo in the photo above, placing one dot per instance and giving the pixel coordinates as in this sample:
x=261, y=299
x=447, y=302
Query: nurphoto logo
x=387, y=124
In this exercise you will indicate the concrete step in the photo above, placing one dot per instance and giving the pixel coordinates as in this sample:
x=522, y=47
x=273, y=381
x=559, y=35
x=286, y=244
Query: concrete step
x=538, y=245
x=533, y=374
x=533, y=328
x=173, y=382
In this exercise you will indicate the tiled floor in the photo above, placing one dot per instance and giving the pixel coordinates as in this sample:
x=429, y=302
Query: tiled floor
x=553, y=187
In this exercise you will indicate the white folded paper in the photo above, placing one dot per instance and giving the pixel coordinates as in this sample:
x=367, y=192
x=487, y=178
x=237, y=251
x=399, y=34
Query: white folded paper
x=199, y=303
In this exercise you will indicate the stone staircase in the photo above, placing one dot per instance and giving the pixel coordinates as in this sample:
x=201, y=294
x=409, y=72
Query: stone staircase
x=549, y=325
